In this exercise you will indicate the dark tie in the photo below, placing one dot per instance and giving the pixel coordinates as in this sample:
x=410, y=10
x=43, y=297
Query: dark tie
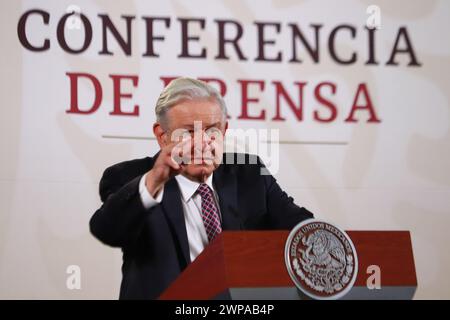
x=210, y=213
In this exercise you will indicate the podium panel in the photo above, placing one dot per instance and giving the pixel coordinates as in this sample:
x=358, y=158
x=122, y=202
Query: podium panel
x=250, y=265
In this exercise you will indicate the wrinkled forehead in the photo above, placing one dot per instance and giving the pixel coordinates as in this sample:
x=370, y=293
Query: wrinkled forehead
x=188, y=113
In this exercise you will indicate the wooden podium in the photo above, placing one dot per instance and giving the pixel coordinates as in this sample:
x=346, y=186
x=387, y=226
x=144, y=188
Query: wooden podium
x=250, y=265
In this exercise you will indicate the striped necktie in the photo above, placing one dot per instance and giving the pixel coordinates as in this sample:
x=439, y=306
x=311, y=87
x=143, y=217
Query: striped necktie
x=210, y=213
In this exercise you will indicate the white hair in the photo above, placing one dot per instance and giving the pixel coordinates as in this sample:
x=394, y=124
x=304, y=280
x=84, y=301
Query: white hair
x=186, y=89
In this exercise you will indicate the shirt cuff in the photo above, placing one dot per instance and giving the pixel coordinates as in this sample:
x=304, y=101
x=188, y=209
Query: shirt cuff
x=147, y=200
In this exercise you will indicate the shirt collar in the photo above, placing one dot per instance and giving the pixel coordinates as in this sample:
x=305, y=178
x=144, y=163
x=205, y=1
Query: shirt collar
x=189, y=187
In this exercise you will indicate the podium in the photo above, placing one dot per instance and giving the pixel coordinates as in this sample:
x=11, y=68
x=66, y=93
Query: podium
x=250, y=265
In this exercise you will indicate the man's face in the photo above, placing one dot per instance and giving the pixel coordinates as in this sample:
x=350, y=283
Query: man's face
x=200, y=123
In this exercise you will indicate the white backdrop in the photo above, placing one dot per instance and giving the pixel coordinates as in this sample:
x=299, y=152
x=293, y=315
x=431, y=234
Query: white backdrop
x=390, y=175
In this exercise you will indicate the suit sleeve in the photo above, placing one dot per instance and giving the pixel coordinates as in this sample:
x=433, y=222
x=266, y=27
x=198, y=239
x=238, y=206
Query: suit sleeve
x=283, y=212
x=119, y=220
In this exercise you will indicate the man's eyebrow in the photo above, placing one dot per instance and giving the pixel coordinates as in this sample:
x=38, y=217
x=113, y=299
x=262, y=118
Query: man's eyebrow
x=191, y=126
x=187, y=126
x=216, y=124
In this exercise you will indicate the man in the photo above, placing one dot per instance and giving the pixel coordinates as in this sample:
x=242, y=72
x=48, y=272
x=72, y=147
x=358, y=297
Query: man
x=164, y=210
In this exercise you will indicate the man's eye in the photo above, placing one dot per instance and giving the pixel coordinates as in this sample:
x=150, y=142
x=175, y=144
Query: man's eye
x=187, y=132
x=184, y=134
x=213, y=130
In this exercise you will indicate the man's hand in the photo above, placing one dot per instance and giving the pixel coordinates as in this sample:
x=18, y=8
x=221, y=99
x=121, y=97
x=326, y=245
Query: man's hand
x=166, y=167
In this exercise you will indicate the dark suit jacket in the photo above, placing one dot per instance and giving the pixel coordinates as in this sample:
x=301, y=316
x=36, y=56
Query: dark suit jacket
x=154, y=242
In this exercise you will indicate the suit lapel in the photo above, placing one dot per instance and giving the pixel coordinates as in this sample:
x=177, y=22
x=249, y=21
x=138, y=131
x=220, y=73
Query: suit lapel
x=174, y=211
x=225, y=184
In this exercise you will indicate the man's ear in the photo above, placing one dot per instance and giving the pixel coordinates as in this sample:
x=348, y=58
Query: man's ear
x=160, y=134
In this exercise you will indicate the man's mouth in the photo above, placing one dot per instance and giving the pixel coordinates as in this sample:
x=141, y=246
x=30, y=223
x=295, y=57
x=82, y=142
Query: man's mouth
x=202, y=159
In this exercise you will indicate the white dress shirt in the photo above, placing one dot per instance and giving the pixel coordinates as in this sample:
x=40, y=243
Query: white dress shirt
x=192, y=209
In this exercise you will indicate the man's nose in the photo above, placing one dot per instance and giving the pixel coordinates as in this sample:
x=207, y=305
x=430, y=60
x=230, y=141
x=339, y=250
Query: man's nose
x=204, y=141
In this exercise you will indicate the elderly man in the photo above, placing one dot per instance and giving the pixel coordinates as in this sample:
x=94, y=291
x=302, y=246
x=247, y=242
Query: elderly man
x=164, y=210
